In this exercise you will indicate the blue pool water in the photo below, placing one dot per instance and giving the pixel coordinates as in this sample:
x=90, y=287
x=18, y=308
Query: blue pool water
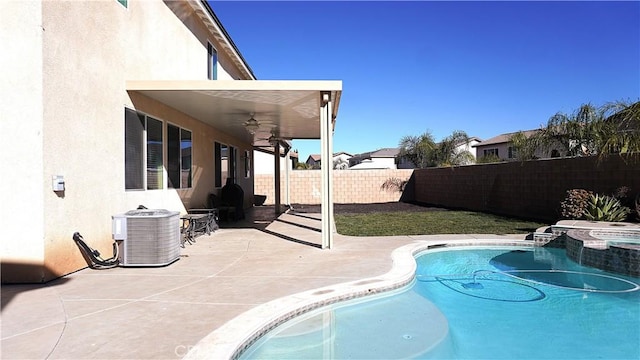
x=472, y=303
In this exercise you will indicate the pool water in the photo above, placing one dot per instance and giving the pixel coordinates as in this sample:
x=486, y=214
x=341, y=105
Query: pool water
x=476, y=303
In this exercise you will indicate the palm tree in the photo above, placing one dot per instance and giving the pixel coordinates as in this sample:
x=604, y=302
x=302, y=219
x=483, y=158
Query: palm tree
x=575, y=134
x=525, y=145
x=613, y=128
x=620, y=131
x=424, y=152
x=304, y=166
x=340, y=164
x=447, y=152
x=418, y=149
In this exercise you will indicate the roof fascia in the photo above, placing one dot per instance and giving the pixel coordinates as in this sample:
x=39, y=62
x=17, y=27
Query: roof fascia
x=231, y=85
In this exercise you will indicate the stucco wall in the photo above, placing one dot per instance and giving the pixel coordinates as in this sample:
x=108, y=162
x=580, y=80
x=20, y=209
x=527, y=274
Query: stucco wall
x=68, y=119
x=531, y=189
x=264, y=163
x=21, y=136
x=349, y=186
x=503, y=150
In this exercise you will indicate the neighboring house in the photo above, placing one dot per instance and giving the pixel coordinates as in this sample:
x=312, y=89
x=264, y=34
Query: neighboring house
x=314, y=161
x=498, y=146
x=264, y=163
x=379, y=159
x=501, y=147
x=469, y=146
x=388, y=158
x=340, y=160
x=112, y=104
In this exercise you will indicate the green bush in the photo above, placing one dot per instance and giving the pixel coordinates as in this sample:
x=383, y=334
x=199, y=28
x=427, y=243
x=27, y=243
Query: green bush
x=574, y=205
x=488, y=159
x=605, y=208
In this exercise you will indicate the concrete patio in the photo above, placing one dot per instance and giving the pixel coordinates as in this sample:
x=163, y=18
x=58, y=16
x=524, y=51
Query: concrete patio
x=163, y=312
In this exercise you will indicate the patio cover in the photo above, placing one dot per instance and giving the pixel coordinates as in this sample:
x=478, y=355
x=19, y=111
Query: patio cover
x=286, y=109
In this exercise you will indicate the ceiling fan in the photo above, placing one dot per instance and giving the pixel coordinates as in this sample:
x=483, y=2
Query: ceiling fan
x=272, y=139
x=252, y=125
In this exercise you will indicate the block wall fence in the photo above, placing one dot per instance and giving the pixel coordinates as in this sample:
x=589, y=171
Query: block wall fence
x=530, y=189
x=349, y=186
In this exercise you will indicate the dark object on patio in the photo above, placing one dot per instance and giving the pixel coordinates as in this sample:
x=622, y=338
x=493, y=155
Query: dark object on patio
x=224, y=210
x=94, y=258
x=230, y=203
x=258, y=200
x=232, y=195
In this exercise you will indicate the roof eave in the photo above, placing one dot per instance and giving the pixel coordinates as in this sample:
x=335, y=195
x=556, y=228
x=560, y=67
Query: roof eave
x=213, y=24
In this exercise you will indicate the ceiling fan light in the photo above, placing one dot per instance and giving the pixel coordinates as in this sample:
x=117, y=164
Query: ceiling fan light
x=252, y=126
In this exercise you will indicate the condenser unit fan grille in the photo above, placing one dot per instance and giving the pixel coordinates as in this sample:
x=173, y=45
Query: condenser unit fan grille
x=152, y=238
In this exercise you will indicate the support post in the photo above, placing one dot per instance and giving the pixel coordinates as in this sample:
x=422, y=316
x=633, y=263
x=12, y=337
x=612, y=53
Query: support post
x=287, y=174
x=276, y=177
x=326, y=167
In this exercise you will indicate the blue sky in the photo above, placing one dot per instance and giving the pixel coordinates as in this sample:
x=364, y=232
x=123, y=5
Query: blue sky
x=413, y=66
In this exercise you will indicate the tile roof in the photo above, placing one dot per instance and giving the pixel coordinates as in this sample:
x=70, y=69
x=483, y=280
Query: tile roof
x=503, y=138
x=380, y=153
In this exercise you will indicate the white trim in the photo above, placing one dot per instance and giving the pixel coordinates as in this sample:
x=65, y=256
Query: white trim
x=231, y=85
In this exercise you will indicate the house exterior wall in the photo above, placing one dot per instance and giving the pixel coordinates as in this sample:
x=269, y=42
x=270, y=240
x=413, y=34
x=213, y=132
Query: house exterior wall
x=503, y=150
x=349, y=187
x=530, y=189
x=469, y=148
x=264, y=164
x=77, y=57
x=21, y=135
x=374, y=163
x=385, y=162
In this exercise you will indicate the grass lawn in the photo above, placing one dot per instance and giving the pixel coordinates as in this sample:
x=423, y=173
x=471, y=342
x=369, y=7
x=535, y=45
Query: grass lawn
x=430, y=223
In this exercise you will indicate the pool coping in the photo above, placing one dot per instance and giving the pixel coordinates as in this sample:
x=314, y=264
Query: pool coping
x=234, y=337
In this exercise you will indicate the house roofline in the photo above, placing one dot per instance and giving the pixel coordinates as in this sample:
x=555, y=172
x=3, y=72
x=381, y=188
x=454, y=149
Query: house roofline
x=224, y=35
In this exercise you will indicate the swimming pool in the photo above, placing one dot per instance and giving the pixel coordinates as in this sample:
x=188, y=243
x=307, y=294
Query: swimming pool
x=469, y=302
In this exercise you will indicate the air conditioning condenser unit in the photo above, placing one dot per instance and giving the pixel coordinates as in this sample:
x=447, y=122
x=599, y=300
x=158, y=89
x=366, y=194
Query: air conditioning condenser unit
x=147, y=237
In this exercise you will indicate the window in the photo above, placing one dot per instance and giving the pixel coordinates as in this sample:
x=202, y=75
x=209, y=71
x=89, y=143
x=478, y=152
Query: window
x=134, y=125
x=154, y=154
x=225, y=163
x=143, y=138
x=491, y=152
x=513, y=153
x=123, y=2
x=145, y=148
x=212, y=62
x=178, y=157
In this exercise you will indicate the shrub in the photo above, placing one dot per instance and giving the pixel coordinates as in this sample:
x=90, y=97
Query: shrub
x=606, y=208
x=488, y=159
x=574, y=205
x=394, y=184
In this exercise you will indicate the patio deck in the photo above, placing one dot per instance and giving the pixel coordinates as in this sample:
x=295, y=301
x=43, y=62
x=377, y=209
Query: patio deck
x=162, y=312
